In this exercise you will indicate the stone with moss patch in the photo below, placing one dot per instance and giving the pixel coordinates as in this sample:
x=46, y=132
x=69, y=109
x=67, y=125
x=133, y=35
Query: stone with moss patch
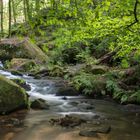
x=12, y=97
x=22, y=83
x=21, y=65
x=21, y=48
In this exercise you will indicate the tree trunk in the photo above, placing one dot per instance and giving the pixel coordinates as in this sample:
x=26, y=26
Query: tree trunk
x=14, y=10
x=1, y=17
x=25, y=10
x=28, y=9
x=10, y=17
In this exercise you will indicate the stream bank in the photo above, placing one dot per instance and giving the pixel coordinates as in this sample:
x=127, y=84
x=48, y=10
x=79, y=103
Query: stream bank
x=34, y=124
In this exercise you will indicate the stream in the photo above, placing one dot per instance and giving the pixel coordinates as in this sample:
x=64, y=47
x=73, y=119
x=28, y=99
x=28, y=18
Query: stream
x=35, y=124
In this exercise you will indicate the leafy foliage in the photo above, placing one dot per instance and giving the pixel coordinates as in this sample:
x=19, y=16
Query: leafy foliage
x=76, y=31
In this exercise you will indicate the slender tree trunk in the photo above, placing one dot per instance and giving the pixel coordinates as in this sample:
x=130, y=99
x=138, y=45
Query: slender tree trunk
x=14, y=11
x=28, y=9
x=25, y=10
x=1, y=16
x=10, y=17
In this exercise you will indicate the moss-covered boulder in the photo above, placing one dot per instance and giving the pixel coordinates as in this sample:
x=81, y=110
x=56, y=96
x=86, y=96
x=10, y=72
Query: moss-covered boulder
x=39, y=104
x=22, y=83
x=21, y=65
x=12, y=96
x=15, y=72
x=21, y=48
x=67, y=91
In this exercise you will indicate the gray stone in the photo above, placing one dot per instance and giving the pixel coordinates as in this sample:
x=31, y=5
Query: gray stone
x=39, y=104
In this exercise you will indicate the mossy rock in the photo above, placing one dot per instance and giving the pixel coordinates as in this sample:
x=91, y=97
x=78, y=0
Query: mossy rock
x=12, y=96
x=67, y=91
x=39, y=104
x=15, y=72
x=22, y=83
x=21, y=48
x=21, y=65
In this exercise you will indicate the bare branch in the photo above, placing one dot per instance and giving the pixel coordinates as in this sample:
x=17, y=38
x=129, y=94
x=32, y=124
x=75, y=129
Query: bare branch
x=135, y=14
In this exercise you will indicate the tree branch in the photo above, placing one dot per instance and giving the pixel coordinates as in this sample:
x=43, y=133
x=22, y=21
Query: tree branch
x=135, y=14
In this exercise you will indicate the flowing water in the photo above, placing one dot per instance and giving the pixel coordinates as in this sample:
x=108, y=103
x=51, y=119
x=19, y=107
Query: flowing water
x=125, y=123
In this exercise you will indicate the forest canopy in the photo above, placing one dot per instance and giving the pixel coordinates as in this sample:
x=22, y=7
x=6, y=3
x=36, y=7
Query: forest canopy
x=116, y=23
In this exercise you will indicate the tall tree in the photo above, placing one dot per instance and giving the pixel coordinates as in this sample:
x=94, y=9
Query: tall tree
x=10, y=17
x=25, y=10
x=1, y=16
x=14, y=10
x=29, y=12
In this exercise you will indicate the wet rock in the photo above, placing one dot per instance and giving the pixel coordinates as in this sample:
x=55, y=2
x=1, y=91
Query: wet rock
x=22, y=83
x=39, y=104
x=15, y=72
x=93, y=132
x=15, y=121
x=68, y=121
x=132, y=108
x=67, y=91
x=64, y=98
x=41, y=73
x=12, y=96
x=88, y=134
x=96, y=117
x=11, y=122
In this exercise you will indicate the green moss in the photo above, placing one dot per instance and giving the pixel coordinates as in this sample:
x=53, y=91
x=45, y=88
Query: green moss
x=18, y=65
x=21, y=48
x=11, y=96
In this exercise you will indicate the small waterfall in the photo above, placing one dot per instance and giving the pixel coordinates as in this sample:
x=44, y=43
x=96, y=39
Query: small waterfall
x=1, y=65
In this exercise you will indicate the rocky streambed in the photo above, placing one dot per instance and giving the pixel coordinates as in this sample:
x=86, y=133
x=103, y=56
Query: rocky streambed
x=68, y=117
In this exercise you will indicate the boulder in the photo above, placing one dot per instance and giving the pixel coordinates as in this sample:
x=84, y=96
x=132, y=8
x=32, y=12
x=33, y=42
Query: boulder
x=20, y=48
x=132, y=108
x=17, y=73
x=67, y=91
x=21, y=65
x=12, y=96
x=68, y=121
x=22, y=83
x=39, y=104
x=93, y=131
